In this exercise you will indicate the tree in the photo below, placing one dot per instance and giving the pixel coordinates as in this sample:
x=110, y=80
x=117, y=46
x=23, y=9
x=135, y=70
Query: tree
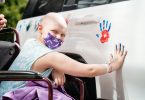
x=13, y=11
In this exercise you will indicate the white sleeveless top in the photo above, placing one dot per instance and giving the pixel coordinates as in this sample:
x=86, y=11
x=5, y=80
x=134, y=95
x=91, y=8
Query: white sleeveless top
x=30, y=52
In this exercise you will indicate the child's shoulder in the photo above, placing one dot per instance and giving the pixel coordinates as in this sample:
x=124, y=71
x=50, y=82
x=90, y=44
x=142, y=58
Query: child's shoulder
x=32, y=42
x=29, y=42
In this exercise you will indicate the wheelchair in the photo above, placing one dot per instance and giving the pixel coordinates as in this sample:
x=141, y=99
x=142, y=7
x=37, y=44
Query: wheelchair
x=9, y=49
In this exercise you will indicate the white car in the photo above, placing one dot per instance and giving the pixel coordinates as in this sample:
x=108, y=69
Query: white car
x=93, y=33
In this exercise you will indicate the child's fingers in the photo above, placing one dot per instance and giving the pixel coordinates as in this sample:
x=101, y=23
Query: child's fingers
x=124, y=54
x=60, y=81
x=63, y=80
x=121, y=49
x=56, y=81
x=115, y=49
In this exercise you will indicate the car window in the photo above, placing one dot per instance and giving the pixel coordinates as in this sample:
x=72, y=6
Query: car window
x=41, y=7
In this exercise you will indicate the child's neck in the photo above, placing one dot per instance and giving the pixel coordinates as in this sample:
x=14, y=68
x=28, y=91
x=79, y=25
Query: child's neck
x=40, y=39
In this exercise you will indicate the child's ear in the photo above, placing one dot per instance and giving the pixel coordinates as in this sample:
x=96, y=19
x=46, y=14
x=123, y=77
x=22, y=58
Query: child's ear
x=40, y=27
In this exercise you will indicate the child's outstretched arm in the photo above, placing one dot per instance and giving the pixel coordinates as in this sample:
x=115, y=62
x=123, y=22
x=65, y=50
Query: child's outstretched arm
x=72, y=67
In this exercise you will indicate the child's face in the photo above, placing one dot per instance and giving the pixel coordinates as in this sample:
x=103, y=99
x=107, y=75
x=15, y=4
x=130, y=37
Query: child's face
x=54, y=29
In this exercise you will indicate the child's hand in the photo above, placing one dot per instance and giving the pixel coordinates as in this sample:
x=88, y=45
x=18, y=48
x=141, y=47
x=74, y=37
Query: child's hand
x=117, y=60
x=58, y=77
x=3, y=21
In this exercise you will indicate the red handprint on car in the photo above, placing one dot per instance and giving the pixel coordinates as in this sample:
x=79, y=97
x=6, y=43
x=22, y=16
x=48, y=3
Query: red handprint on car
x=104, y=28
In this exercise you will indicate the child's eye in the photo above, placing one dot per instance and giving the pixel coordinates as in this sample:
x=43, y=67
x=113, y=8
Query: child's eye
x=62, y=35
x=54, y=31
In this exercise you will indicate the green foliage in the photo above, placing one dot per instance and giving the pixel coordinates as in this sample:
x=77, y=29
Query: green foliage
x=13, y=11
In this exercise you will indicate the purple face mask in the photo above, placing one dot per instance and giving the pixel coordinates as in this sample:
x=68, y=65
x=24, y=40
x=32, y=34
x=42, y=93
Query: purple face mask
x=52, y=42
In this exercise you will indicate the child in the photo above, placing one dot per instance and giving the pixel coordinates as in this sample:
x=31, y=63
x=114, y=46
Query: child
x=38, y=55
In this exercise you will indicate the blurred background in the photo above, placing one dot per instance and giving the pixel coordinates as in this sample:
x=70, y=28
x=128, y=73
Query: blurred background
x=14, y=10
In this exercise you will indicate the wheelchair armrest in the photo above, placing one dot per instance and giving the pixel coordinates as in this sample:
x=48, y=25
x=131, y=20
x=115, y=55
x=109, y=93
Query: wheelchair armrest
x=26, y=76
x=19, y=75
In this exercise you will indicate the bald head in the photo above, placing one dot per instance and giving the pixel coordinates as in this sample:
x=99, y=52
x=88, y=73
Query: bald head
x=55, y=18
